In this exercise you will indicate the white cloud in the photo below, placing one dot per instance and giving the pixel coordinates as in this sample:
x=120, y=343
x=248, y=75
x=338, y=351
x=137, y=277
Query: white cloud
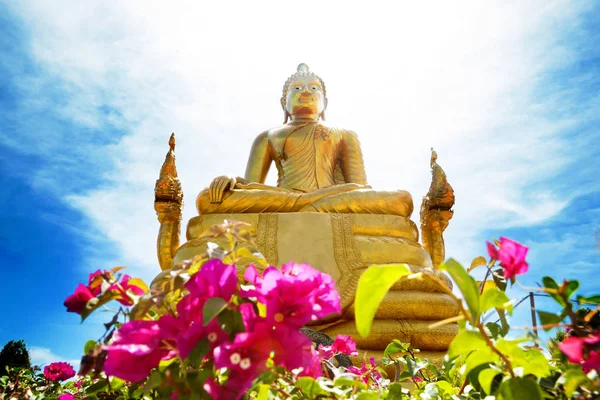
x=43, y=356
x=463, y=78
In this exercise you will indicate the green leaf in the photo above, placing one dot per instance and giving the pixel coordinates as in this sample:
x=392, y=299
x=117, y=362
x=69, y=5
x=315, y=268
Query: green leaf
x=572, y=379
x=395, y=347
x=519, y=389
x=495, y=298
x=499, y=279
x=531, y=360
x=368, y=396
x=116, y=383
x=595, y=299
x=535, y=363
x=495, y=329
x=433, y=369
x=570, y=288
x=89, y=346
x=372, y=287
x=467, y=286
x=200, y=350
x=486, y=378
x=547, y=318
x=465, y=342
x=478, y=357
x=550, y=283
x=309, y=387
x=413, y=366
x=503, y=321
x=153, y=381
x=96, y=387
x=231, y=322
x=212, y=308
x=396, y=391
x=196, y=379
x=263, y=392
x=477, y=262
x=446, y=387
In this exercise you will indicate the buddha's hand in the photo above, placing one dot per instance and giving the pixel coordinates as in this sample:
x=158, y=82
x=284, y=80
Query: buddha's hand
x=219, y=186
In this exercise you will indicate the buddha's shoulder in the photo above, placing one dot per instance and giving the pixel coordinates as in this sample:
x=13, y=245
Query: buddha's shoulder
x=284, y=130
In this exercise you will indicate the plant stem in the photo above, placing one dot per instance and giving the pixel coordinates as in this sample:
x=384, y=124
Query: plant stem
x=489, y=342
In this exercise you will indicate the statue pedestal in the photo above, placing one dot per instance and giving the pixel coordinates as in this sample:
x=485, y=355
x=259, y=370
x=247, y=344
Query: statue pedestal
x=344, y=245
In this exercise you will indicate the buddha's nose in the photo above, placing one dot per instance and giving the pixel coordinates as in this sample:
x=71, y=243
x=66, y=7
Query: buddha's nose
x=305, y=90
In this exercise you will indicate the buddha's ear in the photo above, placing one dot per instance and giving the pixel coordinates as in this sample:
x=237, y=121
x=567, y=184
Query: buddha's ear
x=324, y=108
x=285, y=112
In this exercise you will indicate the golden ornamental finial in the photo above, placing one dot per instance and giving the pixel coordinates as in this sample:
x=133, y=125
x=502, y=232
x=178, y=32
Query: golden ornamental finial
x=433, y=158
x=172, y=142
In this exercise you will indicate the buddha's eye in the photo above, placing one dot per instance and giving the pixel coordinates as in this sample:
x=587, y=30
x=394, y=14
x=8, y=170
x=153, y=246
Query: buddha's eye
x=297, y=88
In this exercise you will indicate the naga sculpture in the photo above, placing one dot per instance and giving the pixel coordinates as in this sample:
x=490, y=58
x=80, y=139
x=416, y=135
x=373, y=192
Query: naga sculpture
x=323, y=212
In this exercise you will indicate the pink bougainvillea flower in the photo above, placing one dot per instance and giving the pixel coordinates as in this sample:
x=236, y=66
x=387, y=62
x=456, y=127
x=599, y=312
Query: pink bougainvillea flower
x=367, y=373
x=58, y=371
x=218, y=392
x=76, y=302
x=325, y=352
x=311, y=364
x=250, y=353
x=592, y=362
x=345, y=345
x=66, y=396
x=188, y=339
x=342, y=344
x=574, y=348
x=511, y=255
x=192, y=329
x=138, y=347
x=214, y=279
x=295, y=295
x=123, y=287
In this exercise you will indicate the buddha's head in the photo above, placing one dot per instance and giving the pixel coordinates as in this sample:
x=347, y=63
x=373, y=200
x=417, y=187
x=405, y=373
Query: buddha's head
x=304, y=95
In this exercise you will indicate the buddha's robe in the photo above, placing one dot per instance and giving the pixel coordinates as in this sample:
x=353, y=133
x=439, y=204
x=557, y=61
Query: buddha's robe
x=320, y=169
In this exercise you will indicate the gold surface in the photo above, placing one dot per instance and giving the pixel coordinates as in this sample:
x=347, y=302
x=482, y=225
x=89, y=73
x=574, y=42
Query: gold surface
x=315, y=246
x=385, y=331
x=168, y=203
x=413, y=305
x=382, y=249
x=384, y=225
x=436, y=212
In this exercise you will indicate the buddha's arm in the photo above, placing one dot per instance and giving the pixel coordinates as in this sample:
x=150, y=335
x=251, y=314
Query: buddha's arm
x=259, y=160
x=351, y=159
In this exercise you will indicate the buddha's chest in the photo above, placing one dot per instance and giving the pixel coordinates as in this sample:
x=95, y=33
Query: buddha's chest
x=290, y=142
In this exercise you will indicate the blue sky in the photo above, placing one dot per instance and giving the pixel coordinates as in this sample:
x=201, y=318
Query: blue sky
x=509, y=95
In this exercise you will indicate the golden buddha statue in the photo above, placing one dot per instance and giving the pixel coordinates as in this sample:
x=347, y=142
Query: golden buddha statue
x=320, y=168
x=322, y=212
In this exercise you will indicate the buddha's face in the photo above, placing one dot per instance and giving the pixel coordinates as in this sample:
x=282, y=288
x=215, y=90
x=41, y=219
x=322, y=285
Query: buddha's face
x=305, y=97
